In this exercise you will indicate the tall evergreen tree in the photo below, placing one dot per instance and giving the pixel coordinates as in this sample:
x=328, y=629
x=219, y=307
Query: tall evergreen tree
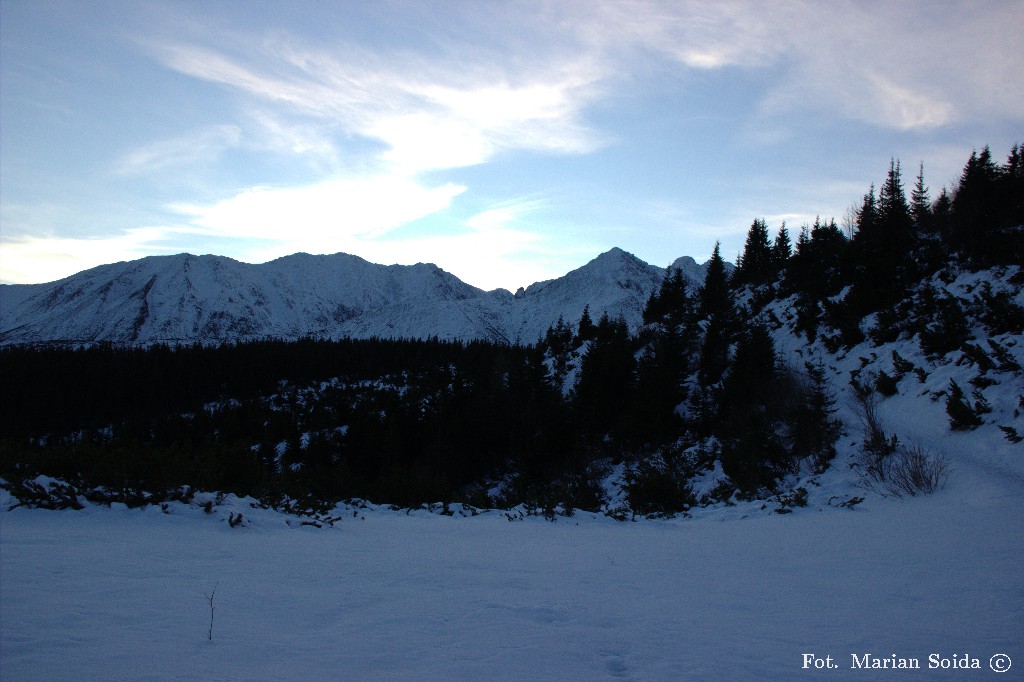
x=671, y=303
x=920, y=205
x=782, y=248
x=893, y=208
x=585, y=329
x=974, y=209
x=867, y=215
x=883, y=247
x=1009, y=238
x=816, y=271
x=676, y=302
x=1013, y=187
x=752, y=452
x=714, y=297
x=755, y=266
x=715, y=307
x=558, y=342
x=942, y=216
x=607, y=378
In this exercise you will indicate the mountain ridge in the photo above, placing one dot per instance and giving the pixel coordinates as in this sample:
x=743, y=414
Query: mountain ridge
x=185, y=298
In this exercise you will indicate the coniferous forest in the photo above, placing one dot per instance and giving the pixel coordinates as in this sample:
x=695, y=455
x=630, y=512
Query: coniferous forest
x=422, y=421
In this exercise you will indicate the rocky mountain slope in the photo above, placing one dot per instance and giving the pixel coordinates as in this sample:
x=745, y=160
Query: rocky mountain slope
x=209, y=299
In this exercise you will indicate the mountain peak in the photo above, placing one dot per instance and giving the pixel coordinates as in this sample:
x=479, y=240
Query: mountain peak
x=212, y=299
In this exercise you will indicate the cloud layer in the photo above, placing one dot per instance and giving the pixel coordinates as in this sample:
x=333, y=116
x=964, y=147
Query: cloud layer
x=334, y=132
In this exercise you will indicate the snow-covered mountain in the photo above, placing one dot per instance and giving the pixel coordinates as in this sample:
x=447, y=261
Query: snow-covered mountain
x=186, y=298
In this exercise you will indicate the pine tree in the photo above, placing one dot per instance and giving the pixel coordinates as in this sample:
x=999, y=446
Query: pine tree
x=883, y=247
x=671, y=304
x=920, y=205
x=607, y=378
x=867, y=216
x=942, y=216
x=752, y=453
x=894, y=212
x=812, y=428
x=1008, y=245
x=558, y=342
x=782, y=249
x=1013, y=187
x=962, y=417
x=755, y=265
x=714, y=295
x=714, y=351
x=585, y=329
x=975, y=209
x=677, y=306
x=715, y=306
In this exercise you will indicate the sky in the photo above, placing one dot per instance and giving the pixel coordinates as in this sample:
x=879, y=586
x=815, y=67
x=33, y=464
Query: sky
x=507, y=142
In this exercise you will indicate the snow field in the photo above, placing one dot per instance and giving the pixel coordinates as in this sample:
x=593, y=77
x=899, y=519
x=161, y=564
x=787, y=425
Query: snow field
x=118, y=594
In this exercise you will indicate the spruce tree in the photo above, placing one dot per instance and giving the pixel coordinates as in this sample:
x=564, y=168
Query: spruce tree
x=812, y=428
x=883, y=259
x=755, y=265
x=1013, y=187
x=782, y=248
x=714, y=295
x=752, y=453
x=664, y=361
x=974, y=210
x=920, y=205
x=585, y=329
x=607, y=377
x=677, y=306
x=715, y=306
x=942, y=216
x=867, y=216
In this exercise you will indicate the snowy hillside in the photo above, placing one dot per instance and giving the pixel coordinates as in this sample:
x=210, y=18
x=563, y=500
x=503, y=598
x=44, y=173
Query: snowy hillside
x=186, y=298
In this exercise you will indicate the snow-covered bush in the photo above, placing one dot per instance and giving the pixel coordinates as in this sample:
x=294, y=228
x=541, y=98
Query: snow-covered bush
x=664, y=489
x=913, y=471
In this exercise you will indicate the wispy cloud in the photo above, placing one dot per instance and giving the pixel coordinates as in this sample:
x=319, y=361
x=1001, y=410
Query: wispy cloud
x=906, y=65
x=191, y=148
x=427, y=116
x=333, y=137
x=322, y=216
x=412, y=116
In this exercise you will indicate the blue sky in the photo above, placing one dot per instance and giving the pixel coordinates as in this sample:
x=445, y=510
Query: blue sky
x=507, y=142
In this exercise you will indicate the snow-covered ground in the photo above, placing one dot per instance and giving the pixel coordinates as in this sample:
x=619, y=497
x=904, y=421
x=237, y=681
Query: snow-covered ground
x=734, y=592
x=119, y=594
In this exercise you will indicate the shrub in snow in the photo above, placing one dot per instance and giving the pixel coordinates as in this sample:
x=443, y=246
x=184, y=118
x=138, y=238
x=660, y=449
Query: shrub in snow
x=962, y=417
x=886, y=385
x=891, y=468
x=209, y=601
x=1011, y=434
x=788, y=500
x=999, y=313
x=948, y=327
x=1007, y=363
x=914, y=471
x=976, y=355
x=656, y=489
x=878, y=445
x=45, y=493
x=901, y=365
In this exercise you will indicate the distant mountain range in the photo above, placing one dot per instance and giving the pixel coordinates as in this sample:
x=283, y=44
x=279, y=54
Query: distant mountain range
x=212, y=299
